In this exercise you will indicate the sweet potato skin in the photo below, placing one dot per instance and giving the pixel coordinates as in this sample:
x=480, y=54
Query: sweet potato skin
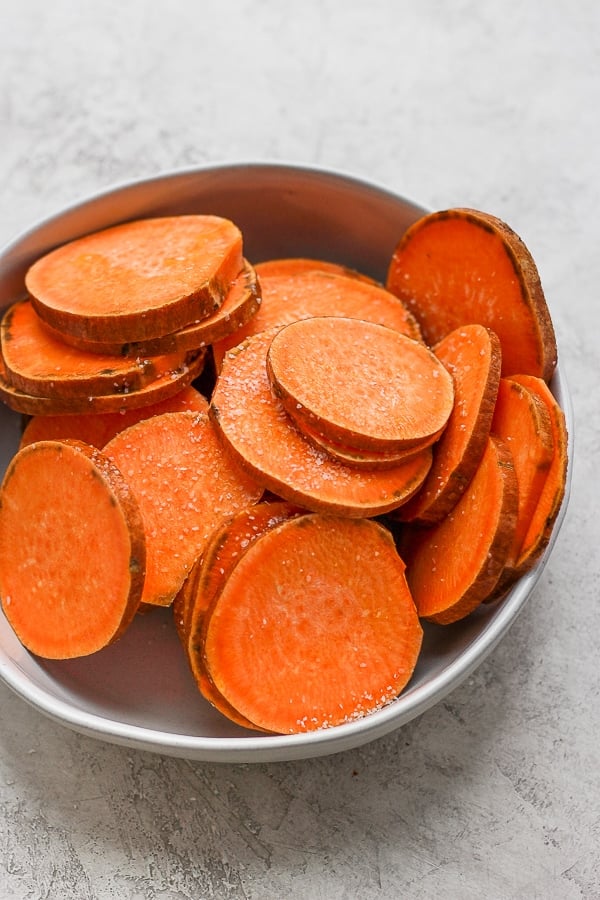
x=165, y=385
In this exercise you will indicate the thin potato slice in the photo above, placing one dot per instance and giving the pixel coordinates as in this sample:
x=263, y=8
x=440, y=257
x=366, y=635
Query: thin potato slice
x=552, y=494
x=165, y=385
x=38, y=363
x=461, y=266
x=185, y=483
x=472, y=355
x=522, y=420
x=72, y=550
x=222, y=553
x=138, y=280
x=359, y=383
x=454, y=566
x=314, y=626
x=240, y=303
x=299, y=293
x=97, y=429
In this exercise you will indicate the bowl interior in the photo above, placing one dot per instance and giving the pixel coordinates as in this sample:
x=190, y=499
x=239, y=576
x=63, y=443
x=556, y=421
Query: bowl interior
x=139, y=691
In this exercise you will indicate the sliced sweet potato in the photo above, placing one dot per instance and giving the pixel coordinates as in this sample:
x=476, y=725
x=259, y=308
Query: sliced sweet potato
x=461, y=266
x=302, y=294
x=38, y=363
x=523, y=421
x=160, y=388
x=473, y=357
x=553, y=491
x=185, y=483
x=358, y=457
x=72, y=549
x=221, y=552
x=97, y=429
x=228, y=543
x=138, y=280
x=360, y=384
x=254, y=425
x=453, y=566
x=314, y=626
x=239, y=305
x=541, y=484
x=299, y=265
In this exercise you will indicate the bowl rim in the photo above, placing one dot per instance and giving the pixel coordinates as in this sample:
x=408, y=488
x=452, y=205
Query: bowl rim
x=240, y=166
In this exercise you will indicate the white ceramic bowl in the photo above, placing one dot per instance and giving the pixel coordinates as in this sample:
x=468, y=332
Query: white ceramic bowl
x=139, y=691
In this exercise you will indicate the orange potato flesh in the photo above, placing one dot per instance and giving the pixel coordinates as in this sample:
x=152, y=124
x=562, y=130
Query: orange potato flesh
x=138, y=280
x=307, y=632
x=72, y=550
x=453, y=566
x=472, y=355
x=462, y=266
x=360, y=383
x=185, y=483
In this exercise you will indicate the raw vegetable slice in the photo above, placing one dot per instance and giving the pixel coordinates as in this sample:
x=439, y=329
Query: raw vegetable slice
x=182, y=609
x=254, y=425
x=72, y=550
x=97, y=429
x=462, y=266
x=38, y=363
x=553, y=492
x=185, y=483
x=454, y=566
x=473, y=357
x=138, y=280
x=163, y=386
x=314, y=626
x=225, y=546
x=360, y=458
x=299, y=265
x=359, y=383
x=303, y=294
x=522, y=420
x=239, y=305
x=228, y=543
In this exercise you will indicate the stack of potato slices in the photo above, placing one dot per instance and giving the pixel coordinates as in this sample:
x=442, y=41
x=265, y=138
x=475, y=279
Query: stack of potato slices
x=121, y=318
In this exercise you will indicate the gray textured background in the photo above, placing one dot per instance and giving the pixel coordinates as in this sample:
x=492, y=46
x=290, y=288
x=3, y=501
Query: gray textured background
x=495, y=792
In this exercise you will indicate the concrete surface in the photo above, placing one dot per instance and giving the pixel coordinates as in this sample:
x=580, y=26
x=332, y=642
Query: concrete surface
x=495, y=792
